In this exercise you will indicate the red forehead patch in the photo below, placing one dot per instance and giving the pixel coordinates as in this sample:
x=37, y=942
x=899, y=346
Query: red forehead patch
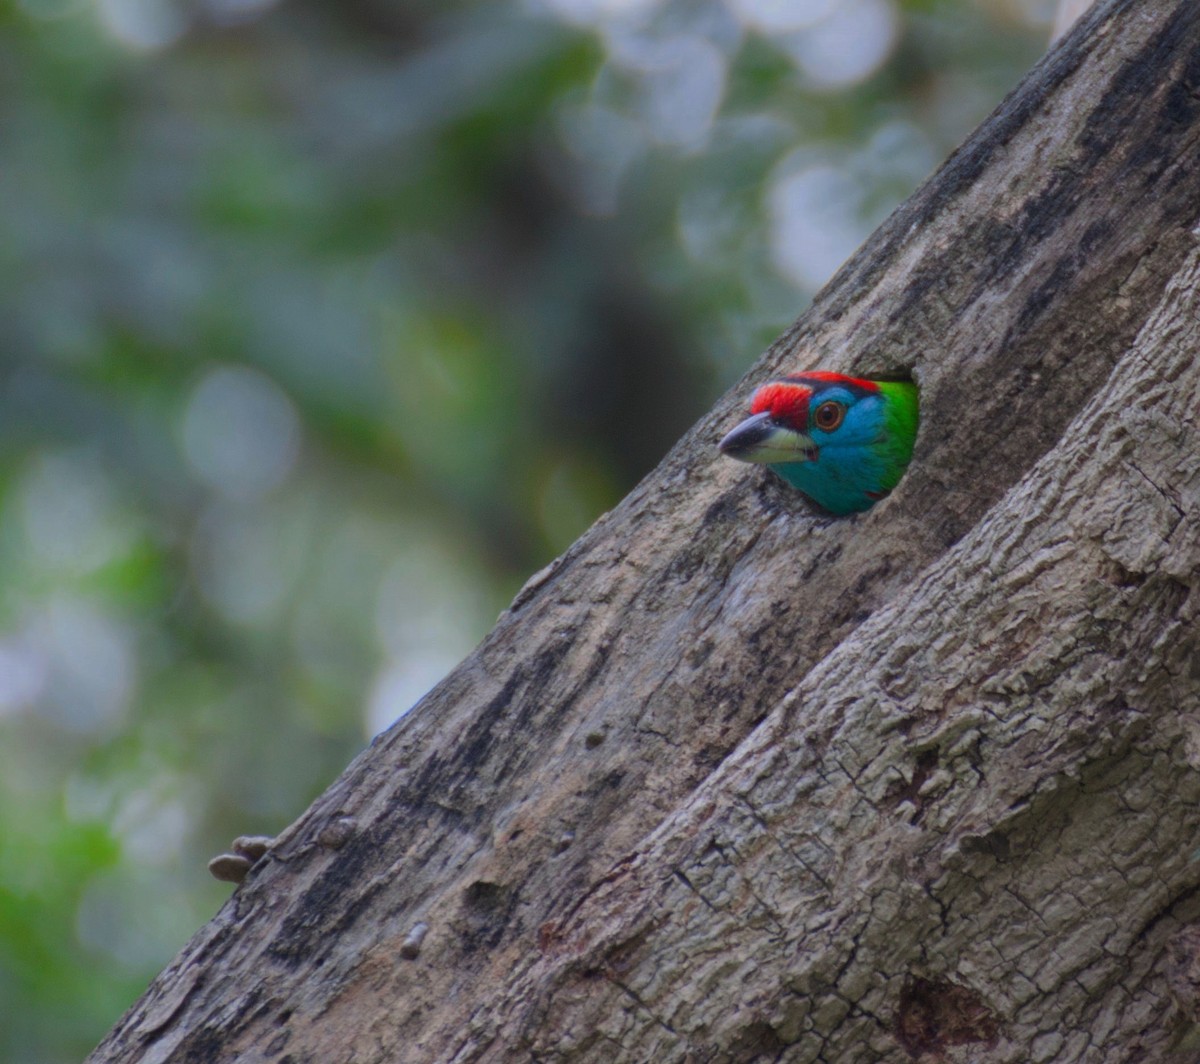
x=787, y=399
x=787, y=403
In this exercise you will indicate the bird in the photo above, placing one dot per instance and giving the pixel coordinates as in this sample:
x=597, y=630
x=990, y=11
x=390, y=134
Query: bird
x=842, y=441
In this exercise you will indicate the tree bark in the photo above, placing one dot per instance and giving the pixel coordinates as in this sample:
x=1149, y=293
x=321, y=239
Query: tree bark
x=733, y=781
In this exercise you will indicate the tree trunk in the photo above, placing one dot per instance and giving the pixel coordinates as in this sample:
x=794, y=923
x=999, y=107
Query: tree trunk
x=734, y=781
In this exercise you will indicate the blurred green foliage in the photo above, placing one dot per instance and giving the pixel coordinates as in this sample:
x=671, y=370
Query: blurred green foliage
x=321, y=327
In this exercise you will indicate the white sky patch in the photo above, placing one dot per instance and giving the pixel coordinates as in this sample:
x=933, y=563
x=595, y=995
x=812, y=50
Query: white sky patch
x=425, y=607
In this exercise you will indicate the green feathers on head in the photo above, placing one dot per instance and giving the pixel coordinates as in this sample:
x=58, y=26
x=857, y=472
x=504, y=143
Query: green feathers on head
x=843, y=441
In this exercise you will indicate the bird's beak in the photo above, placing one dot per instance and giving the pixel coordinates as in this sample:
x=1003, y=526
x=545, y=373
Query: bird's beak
x=764, y=441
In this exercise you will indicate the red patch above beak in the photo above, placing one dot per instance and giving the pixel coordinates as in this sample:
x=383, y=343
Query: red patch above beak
x=786, y=403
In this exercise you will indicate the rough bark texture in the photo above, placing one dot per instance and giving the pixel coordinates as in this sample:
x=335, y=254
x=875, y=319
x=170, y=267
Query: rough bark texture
x=732, y=781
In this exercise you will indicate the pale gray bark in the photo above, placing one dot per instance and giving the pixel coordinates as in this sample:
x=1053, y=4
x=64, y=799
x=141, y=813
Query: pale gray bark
x=734, y=781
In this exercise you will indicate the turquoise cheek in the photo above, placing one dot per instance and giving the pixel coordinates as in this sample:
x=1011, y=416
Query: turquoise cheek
x=841, y=483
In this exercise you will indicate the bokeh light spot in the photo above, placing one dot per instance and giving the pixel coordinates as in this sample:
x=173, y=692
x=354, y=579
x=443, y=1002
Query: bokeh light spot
x=231, y=12
x=781, y=16
x=603, y=144
x=241, y=433
x=682, y=82
x=816, y=222
x=400, y=686
x=245, y=560
x=597, y=12
x=142, y=24
x=70, y=516
x=89, y=665
x=848, y=46
x=22, y=675
x=428, y=616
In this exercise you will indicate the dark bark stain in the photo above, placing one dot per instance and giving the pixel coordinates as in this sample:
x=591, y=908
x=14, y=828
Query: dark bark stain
x=206, y=1046
x=209, y=1043
x=993, y=844
x=524, y=695
x=957, y=174
x=1141, y=78
x=1004, y=246
x=311, y=925
x=487, y=913
x=759, y=1041
x=721, y=512
x=350, y=885
x=935, y=1015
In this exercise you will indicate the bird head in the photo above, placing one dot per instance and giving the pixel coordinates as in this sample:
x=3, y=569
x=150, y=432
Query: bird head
x=841, y=440
x=792, y=418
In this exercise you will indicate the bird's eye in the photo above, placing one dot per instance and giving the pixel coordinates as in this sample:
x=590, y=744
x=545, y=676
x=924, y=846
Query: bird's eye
x=828, y=416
